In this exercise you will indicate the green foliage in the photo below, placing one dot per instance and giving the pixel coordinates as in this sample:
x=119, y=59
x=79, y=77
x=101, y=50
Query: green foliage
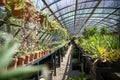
x=58, y=30
x=89, y=32
x=15, y=4
x=103, y=30
x=8, y=48
x=102, y=46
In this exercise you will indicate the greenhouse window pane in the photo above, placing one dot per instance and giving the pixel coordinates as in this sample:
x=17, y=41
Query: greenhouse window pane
x=111, y=3
x=50, y=1
x=87, y=5
x=114, y=17
x=47, y=11
x=38, y=4
x=111, y=21
x=84, y=11
x=67, y=14
x=68, y=9
x=52, y=17
x=54, y=7
x=104, y=10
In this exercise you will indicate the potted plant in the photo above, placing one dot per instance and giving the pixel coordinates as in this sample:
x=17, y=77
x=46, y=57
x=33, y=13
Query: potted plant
x=27, y=58
x=32, y=56
x=21, y=58
x=14, y=63
x=40, y=53
x=36, y=55
x=3, y=2
x=19, y=9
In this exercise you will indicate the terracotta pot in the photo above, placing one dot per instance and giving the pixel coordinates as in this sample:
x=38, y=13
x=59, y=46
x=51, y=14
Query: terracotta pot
x=31, y=57
x=27, y=59
x=3, y=2
x=40, y=54
x=21, y=60
x=47, y=51
x=14, y=63
x=44, y=52
x=36, y=55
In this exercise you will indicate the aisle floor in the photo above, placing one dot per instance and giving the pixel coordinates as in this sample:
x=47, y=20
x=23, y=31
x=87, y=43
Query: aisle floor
x=65, y=69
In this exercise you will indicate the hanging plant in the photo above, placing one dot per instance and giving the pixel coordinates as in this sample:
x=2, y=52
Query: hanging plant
x=15, y=4
x=3, y=2
x=20, y=8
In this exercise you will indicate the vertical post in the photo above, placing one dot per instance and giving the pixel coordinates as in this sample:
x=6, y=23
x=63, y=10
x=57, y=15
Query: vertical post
x=61, y=55
x=55, y=64
x=59, y=58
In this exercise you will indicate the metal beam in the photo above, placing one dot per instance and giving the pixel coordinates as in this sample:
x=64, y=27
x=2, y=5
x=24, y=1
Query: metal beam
x=51, y=11
x=76, y=4
x=90, y=14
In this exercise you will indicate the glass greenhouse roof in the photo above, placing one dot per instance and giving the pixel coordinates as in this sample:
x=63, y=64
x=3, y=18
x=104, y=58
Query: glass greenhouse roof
x=75, y=15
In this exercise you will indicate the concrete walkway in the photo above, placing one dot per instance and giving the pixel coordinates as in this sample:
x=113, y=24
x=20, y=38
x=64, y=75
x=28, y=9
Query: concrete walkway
x=62, y=70
x=65, y=69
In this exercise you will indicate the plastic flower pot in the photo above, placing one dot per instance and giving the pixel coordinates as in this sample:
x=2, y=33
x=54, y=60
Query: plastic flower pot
x=21, y=60
x=27, y=59
x=3, y=2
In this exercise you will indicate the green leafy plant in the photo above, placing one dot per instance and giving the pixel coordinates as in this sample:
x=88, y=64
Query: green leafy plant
x=8, y=47
x=102, y=46
x=103, y=30
x=89, y=32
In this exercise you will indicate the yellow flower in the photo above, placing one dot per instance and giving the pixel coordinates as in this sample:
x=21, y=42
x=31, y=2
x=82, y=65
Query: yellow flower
x=100, y=50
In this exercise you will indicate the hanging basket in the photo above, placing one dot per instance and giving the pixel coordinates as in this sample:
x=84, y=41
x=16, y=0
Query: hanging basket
x=3, y=2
